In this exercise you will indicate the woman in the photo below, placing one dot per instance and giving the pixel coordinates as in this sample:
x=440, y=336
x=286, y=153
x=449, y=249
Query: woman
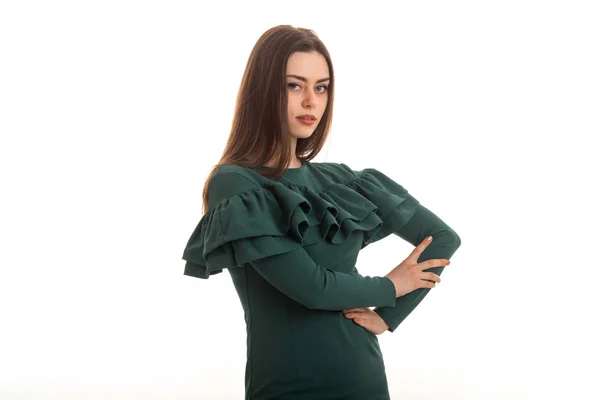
x=289, y=231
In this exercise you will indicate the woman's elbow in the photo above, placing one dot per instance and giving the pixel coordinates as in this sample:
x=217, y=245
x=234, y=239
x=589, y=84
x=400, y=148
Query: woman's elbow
x=449, y=239
x=456, y=240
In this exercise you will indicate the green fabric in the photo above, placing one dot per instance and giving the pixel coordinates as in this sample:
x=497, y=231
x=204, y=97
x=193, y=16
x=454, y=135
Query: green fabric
x=445, y=242
x=290, y=247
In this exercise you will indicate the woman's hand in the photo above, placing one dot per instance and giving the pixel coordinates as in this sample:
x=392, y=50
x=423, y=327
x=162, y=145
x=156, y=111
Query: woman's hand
x=368, y=319
x=409, y=275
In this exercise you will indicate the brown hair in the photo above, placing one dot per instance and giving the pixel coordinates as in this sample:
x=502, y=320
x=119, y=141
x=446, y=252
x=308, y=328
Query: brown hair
x=259, y=131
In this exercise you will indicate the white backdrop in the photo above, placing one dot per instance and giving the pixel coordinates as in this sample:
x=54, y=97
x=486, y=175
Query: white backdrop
x=112, y=114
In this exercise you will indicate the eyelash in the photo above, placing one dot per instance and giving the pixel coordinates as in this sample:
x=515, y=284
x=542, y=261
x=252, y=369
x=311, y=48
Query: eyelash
x=291, y=85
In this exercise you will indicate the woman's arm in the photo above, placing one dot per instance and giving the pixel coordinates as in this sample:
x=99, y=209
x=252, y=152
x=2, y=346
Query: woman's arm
x=445, y=242
x=296, y=275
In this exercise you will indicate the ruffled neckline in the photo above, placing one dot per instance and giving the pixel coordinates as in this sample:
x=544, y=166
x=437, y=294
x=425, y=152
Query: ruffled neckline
x=270, y=218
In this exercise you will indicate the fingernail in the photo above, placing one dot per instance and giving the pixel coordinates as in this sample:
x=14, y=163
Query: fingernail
x=429, y=238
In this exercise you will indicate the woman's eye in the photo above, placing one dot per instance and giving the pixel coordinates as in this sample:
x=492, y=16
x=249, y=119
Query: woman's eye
x=323, y=88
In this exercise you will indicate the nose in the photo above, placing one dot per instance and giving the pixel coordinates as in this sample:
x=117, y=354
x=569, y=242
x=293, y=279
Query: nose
x=310, y=100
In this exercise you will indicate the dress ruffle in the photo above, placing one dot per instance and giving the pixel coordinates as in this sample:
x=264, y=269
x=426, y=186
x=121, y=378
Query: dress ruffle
x=278, y=218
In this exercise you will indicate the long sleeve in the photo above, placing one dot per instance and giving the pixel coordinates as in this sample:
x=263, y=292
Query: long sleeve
x=296, y=275
x=445, y=243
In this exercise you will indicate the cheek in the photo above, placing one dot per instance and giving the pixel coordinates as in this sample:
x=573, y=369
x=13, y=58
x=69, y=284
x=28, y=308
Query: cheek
x=323, y=107
x=291, y=101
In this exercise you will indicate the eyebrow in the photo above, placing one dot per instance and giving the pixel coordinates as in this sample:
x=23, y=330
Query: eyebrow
x=303, y=79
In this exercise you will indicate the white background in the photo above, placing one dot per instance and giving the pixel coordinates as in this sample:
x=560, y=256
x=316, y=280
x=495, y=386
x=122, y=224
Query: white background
x=112, y=114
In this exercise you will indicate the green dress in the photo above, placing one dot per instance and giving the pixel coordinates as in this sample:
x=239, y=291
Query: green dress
x=291, y=246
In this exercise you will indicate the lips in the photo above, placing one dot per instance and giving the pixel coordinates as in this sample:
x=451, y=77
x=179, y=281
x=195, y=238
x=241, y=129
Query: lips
x=306, y=121
x=307, y=117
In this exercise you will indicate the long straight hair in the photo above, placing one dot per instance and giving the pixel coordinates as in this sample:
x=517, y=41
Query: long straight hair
x=259, y=130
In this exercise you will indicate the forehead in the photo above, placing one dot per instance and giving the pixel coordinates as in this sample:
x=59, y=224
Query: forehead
x=311, y=65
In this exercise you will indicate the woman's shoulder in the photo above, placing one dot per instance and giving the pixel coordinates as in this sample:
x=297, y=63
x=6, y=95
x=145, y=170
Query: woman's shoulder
x=344, y=169
x=232, y=170
x=230, y=180
x=336, y=168
x=370, y=174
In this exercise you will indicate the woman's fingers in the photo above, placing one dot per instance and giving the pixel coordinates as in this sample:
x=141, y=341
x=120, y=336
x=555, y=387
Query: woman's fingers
x=414, y=255
x=358, y=317
x=427, y=284
x=439, y=262
x=356, y=312
x=362, y=309
x=432, y=277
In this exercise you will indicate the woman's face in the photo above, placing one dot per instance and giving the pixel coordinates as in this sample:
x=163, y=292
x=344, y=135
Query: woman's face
x=307, y=81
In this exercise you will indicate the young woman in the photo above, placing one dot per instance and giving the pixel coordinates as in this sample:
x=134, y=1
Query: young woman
x=289, y=231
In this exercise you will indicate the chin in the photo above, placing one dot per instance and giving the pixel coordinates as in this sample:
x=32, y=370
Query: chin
x=304, y=131
x=302, y=135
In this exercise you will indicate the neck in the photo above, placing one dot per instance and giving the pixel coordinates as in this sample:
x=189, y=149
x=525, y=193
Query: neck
x=295, y=163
